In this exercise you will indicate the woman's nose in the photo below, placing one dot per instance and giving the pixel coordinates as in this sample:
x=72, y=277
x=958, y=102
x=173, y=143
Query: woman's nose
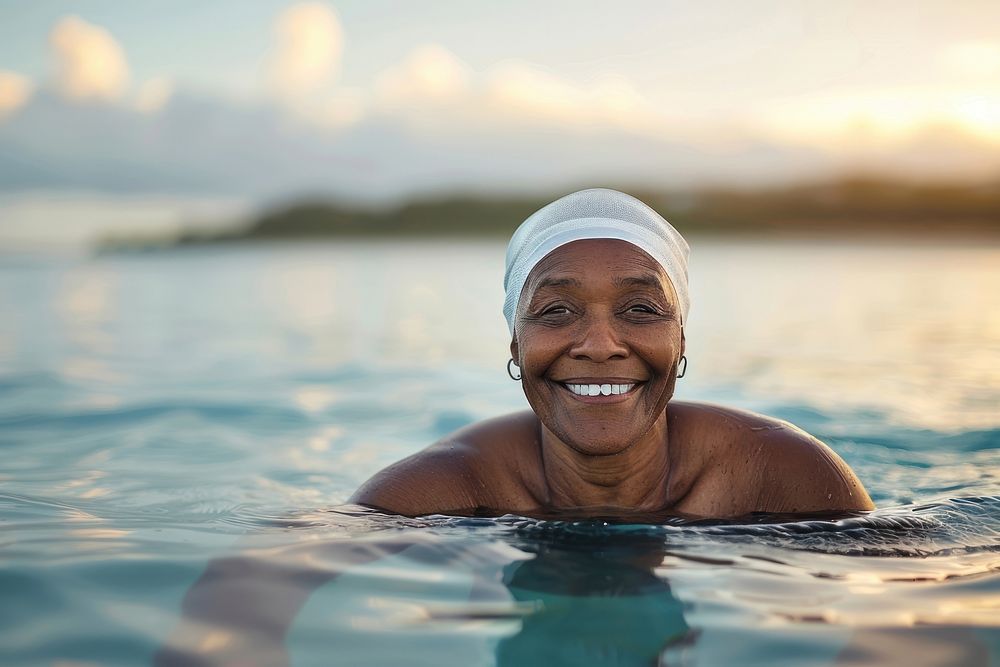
x=598, y=341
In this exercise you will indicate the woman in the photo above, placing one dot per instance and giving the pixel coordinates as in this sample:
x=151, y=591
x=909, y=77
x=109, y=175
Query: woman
x=597, y=297
x=596, y=302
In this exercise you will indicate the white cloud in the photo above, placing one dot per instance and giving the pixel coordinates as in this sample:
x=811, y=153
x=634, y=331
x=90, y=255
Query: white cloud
x=308, y=41
x=849, y=120
x=153, y=95
x=15, y=90
x=524, y=88
x=430, y=73
x=524, y=91
x=90, y=64
x=433, y=87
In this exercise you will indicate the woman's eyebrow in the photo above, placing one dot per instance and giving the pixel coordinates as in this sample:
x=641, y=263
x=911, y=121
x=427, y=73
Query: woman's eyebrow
x=558, y=282
x=644, y=280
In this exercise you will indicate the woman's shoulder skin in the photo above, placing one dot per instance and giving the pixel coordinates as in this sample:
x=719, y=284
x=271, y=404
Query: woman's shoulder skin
x=492, y=465
x=725, y=463
x=747, y=462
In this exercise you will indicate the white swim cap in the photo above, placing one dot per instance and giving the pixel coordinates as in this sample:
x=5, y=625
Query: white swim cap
x=598, y=213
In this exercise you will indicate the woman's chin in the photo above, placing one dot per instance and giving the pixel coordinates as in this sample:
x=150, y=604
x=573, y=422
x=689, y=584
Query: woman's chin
x=590, y=446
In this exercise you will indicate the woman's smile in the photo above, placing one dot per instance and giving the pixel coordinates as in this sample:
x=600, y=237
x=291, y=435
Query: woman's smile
x=600, y=390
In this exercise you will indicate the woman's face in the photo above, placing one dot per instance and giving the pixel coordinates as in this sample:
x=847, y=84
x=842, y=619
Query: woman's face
x=598, y=315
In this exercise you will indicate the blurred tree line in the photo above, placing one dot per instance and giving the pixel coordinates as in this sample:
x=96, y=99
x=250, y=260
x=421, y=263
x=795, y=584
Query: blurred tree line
x=846, y=206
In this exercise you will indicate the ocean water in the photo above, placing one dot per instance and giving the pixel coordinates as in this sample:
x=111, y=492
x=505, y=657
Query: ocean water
x=180, y=431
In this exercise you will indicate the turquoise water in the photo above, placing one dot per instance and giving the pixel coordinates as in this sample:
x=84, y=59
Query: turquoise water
x=180, y=432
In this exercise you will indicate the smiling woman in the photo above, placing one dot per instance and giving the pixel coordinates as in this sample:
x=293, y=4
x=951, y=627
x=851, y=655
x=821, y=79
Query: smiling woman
x=596, y=302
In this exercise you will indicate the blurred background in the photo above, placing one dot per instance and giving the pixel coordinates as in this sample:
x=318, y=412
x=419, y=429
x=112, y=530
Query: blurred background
x=130, y=123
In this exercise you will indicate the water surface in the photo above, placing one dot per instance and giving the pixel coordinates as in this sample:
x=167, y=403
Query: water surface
x=202, y=416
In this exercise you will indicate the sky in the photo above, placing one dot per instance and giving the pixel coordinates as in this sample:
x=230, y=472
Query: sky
x=187, y=109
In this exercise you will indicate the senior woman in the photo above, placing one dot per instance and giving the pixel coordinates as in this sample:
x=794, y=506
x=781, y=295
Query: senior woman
x=597, y=299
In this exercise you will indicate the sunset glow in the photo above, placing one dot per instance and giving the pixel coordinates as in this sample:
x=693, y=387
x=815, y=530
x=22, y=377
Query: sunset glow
x=340, y=98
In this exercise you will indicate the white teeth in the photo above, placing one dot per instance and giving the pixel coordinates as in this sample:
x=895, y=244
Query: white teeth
x=599, y=389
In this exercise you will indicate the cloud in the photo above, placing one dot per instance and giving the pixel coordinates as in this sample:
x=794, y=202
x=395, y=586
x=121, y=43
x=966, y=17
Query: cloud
x=430, y=73
x=90, y=64
x=15, y=91
x=308, y=41
x=434, y=88
x=522, y=90
x=153, y=95
x=852, y=120
x=209, y=146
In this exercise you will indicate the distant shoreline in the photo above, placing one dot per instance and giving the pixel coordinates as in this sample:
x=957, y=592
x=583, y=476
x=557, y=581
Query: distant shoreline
x=843, y=208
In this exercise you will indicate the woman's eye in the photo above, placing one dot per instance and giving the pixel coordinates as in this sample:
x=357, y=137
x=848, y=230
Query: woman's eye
x=641, y=308
x=556, y=310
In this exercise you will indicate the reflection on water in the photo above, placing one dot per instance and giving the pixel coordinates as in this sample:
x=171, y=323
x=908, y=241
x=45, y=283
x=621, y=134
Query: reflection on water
x=593, y=606
x=518, y=591
x=911, y=330
x=540, y=603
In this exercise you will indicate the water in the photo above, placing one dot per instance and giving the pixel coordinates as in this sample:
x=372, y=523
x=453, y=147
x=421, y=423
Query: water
x=202, y=416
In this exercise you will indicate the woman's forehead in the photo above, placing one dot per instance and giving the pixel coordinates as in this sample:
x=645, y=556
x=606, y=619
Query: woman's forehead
x=610, y=253
x=619, y=260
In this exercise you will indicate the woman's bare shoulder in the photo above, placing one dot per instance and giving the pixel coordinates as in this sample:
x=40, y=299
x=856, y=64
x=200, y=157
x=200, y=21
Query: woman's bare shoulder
x=768, y=464
x=486, y=431
x=477, y=466
x=698, y=414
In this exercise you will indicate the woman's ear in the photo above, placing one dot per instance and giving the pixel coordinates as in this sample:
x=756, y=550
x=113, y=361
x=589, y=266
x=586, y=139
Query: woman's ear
x=513, y=348
x=683, y=341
